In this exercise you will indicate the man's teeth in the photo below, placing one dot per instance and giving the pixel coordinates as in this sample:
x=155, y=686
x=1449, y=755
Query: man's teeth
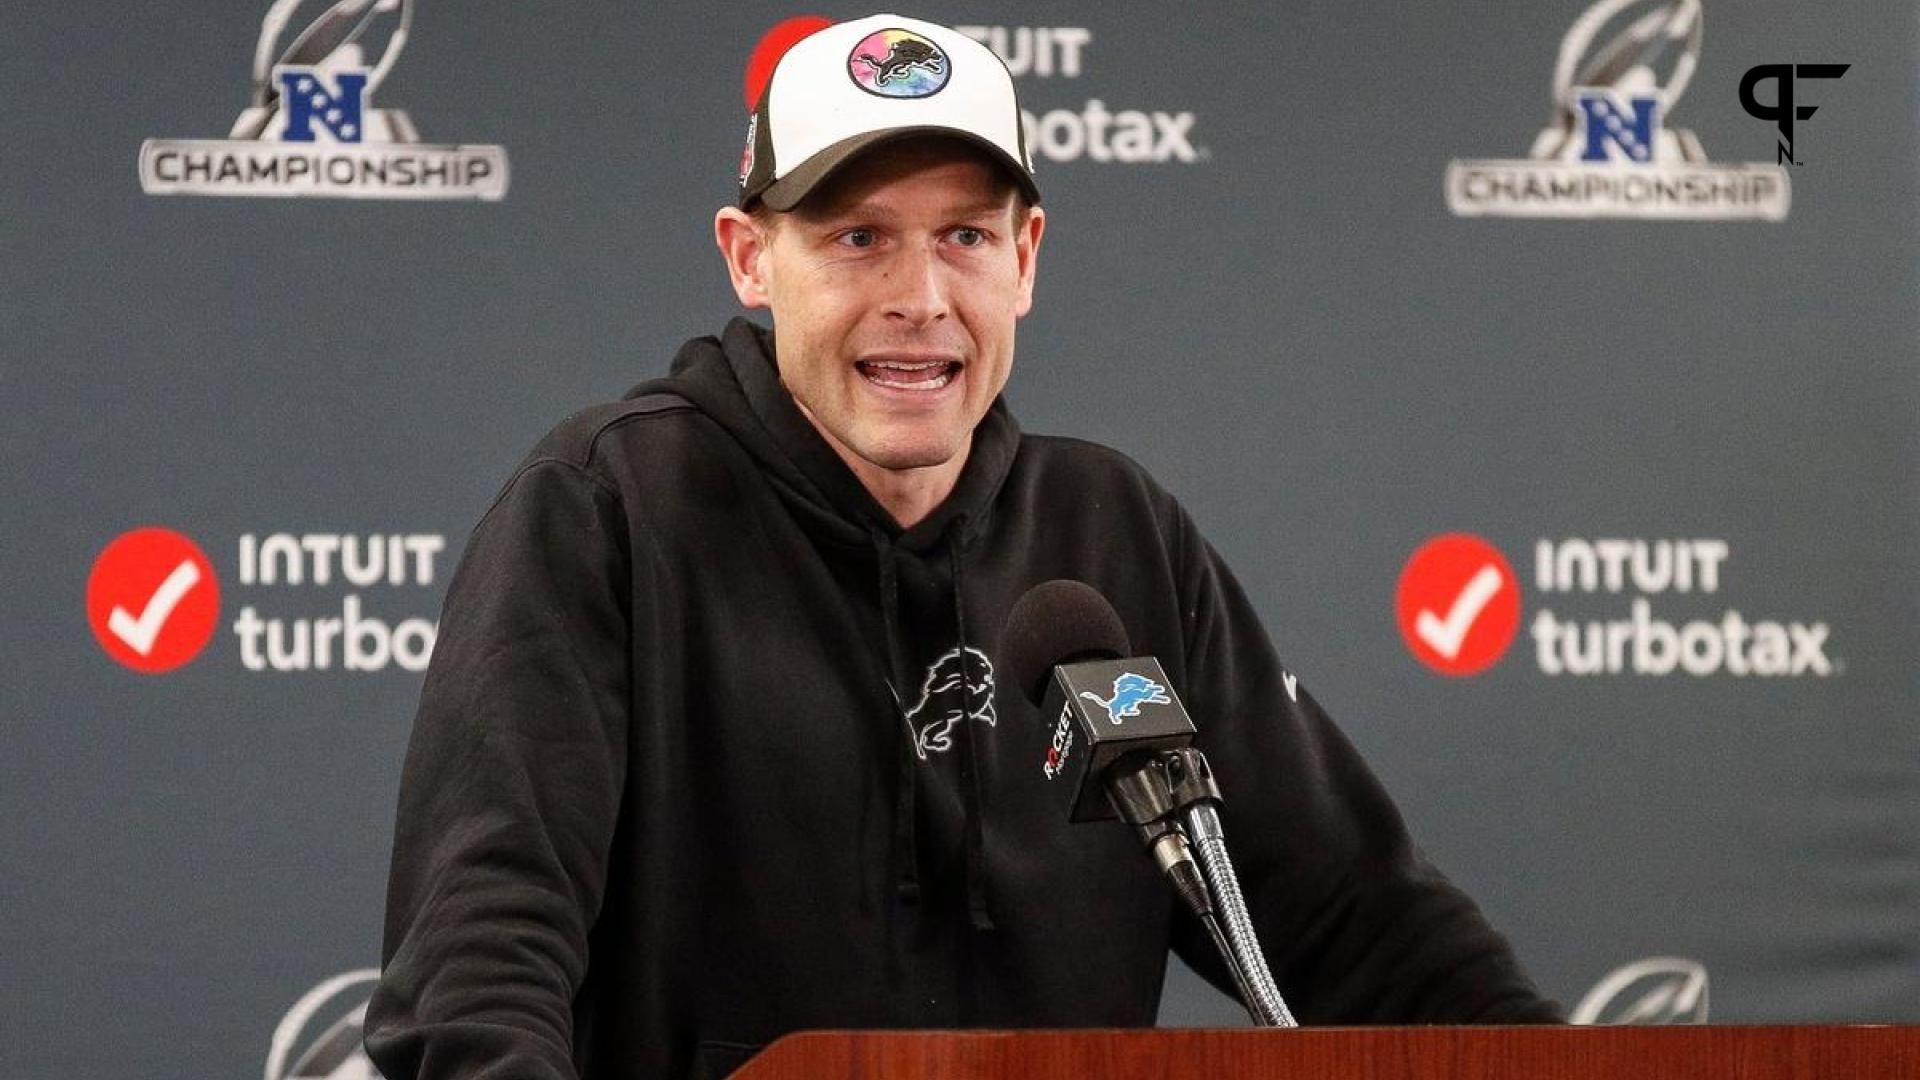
x=882, y=372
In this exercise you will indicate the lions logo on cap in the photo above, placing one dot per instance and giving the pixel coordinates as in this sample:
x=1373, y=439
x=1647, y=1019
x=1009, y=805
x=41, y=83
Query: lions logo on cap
x=898, y=64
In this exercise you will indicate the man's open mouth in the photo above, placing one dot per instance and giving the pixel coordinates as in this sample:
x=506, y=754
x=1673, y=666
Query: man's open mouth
x=909, y=374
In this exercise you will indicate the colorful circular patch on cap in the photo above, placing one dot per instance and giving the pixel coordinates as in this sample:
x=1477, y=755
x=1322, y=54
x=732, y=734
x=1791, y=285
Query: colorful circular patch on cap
x=899, y=64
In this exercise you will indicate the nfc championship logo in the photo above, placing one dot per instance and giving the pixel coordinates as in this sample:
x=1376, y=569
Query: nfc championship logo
x=1609, y=152
x=311, y=129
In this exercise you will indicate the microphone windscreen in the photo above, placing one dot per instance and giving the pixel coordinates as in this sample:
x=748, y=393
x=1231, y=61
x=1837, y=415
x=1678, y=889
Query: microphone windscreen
x=1058, y=622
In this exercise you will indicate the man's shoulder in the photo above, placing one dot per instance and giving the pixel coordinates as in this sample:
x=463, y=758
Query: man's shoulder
x=614, y=447
x=586, y=436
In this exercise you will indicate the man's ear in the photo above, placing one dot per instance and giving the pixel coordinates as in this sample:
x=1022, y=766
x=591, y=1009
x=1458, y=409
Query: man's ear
x=1026, y=247
x=743, y=243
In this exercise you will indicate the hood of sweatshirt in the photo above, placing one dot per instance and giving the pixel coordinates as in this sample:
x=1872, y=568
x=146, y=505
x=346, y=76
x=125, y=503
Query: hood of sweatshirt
x=734, y=380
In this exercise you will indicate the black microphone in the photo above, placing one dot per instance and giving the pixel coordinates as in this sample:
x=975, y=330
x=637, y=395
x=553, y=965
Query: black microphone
x=1111, y=719
x=1066, y=649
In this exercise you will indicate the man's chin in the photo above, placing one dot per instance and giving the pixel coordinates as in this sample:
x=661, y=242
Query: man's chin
x=910, y=454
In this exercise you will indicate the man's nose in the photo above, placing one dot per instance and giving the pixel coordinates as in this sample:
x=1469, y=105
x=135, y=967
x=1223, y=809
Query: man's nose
x=919, y=292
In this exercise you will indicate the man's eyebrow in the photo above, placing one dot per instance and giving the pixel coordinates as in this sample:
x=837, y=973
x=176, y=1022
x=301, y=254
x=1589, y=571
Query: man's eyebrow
x=860, y=211
x=881, y=212
x=982, y=210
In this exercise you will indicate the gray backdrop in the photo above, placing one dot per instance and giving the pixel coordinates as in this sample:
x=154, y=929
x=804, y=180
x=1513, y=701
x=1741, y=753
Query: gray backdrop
x=1292, y=331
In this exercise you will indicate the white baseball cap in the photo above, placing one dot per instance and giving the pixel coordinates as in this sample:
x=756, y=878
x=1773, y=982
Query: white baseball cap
x=853, y=85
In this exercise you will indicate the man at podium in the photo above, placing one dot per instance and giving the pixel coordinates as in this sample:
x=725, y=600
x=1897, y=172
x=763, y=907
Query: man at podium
x=717, y=743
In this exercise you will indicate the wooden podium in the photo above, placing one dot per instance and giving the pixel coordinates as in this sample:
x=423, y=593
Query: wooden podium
x=1407, y=1053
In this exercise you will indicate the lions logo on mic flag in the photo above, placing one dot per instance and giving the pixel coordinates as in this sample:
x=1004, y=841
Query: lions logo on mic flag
x=1130, y=691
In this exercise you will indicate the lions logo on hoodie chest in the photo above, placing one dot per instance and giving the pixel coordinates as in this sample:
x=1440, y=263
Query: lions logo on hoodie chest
x=958, y=688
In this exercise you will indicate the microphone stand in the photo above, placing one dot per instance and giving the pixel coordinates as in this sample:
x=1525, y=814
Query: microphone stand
x=1171, y=798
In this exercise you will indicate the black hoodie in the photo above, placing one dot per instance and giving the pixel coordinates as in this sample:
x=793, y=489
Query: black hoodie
x=711, y=750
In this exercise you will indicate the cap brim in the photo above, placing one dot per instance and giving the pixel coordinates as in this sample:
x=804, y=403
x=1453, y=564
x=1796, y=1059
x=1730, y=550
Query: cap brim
x=790, y=190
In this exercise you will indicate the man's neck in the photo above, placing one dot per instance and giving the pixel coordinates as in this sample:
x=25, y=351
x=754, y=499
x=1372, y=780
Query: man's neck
x=907, y=495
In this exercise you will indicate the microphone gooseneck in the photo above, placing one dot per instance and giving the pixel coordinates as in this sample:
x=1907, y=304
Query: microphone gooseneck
x=1249, y=964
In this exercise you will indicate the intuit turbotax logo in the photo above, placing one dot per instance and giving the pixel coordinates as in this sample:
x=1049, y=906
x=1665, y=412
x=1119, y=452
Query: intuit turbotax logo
x=1610, y=152
x=1605, y=607
x=308, y=601
x=311, y=128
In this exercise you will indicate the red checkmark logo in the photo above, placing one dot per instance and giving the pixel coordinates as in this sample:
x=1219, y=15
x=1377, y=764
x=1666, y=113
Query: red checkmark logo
x=152, y=600
x=1458, y=604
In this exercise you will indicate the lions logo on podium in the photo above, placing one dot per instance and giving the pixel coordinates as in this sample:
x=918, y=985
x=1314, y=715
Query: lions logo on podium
x=311, y=128
x=1608, y=151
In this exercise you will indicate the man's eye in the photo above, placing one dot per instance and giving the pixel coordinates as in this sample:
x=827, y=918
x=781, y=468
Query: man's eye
x=860, y=238
x=967, y=236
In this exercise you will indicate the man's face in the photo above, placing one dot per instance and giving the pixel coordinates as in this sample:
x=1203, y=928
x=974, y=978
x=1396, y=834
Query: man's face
x=894, y=292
